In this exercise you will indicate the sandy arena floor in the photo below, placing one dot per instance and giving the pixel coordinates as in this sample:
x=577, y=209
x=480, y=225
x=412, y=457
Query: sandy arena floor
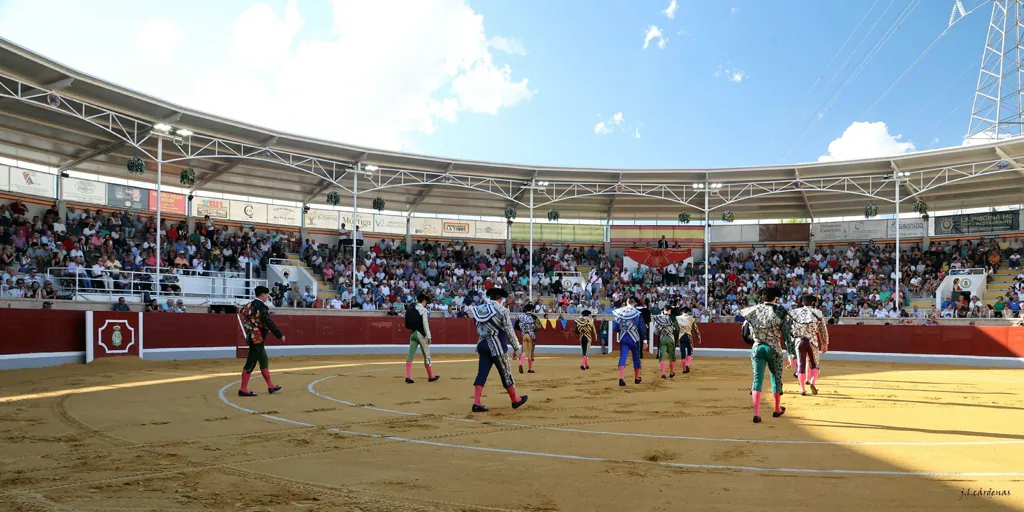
x=347, y=433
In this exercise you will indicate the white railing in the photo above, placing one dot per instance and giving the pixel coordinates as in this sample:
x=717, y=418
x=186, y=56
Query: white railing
x=81, y=284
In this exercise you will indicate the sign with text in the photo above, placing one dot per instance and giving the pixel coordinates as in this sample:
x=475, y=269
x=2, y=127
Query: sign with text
x=130, y=198
x=391, y=224
x=830, y=231
x=490, y=230
x=365, y=222
x=84, y=191
x=247, y=212
x=458, y=229
x=323, y=219
x=992, y=222
x=215, y=208
x=33, y=183
x=426, y=227
x=909, y=228
x=284, y=215
x=174, y=204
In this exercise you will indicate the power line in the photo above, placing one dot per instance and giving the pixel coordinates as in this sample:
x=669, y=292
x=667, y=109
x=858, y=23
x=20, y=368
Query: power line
x=906, y=71
x=893, y=27
x=830, y=62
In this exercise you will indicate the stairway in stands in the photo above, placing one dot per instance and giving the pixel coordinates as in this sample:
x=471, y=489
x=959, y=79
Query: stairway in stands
x=1000, y=284
x=324, y=290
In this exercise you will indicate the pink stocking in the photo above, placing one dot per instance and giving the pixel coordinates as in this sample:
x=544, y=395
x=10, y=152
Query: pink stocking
x=408, y=369
x=802, y=377
x=662, y=363
x=814, y=376
x=778, y=402
x=266, y=376
x=622, y=373
x=756, y=398
x=245, y=381
x=430, y=371
x=478, y=391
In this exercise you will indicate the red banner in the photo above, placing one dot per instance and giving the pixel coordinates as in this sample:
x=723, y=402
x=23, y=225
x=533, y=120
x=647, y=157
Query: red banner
x=657, y=258
x=171, y=203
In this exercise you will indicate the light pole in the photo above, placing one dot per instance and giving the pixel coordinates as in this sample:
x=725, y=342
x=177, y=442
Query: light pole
x=369, y=170
x=898, y=178
x=162, y=130
x=534, y=185
x=707, y=188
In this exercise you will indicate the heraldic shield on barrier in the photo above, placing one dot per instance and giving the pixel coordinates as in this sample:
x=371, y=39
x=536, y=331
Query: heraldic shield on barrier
x=112, y=334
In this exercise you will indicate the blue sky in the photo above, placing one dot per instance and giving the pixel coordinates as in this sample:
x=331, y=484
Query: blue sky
x=727, y=83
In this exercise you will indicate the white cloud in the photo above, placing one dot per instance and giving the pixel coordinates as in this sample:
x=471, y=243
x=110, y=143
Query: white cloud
x=733, y=75
x=653, y=33
x=604, y=127
x=935, y=141
x=508, y=45
x=378, y=72
x=671, y=11
x=734, y=10
x=866, y=140
x=262, y=38
x=636, y=135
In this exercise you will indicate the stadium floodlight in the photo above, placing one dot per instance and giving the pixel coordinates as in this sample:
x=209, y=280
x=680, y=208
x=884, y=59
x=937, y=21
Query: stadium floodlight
x=371, y=168
x=542, y=183
x=185, y=133
x=715, y=186
x=162, y=127
x=698, y=186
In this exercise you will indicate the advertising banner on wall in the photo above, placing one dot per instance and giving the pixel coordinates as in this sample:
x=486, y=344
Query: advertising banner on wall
x=174, y=204
x=123, y=196
x=323, y=219
x=284, y=215
x=992, y=222
x=830, y=231
x=247, y=212
x=5, y=177
x=84, y=191
x=909, y=228
x=459, y=228
x=490, y=230
x=215, y=208
x=868, y=230
x=391, y=224
x=426, y=227
x=33, y=183
x=365, y=222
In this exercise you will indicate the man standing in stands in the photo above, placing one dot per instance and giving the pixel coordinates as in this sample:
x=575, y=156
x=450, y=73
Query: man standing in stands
x=255, y=321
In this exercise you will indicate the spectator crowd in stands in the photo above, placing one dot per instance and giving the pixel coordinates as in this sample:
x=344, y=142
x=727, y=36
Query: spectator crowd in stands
x=116, y=251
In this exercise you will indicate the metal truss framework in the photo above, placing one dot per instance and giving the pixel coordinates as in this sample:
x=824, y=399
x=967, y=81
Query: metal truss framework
x=136, y=132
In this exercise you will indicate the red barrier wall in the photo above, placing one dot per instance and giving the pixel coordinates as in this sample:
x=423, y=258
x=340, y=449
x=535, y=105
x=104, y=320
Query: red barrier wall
x=35, y=331
x=27, y=331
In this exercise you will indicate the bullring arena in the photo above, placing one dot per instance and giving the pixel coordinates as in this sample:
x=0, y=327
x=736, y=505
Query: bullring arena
x=137, y=409
x=347, y=433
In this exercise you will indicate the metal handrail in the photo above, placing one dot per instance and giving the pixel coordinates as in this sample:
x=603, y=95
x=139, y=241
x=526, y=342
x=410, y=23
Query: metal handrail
x=73, y=283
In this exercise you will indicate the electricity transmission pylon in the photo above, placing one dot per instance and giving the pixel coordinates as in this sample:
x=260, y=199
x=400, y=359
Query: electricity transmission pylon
x=999, y=98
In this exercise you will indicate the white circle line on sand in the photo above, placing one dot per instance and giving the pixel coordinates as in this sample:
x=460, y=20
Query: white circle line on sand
x=312, y=389
x=679, y=465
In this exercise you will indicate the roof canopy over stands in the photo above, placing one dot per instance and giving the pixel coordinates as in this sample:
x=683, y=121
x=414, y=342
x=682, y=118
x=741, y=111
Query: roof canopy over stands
x=97, y=126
